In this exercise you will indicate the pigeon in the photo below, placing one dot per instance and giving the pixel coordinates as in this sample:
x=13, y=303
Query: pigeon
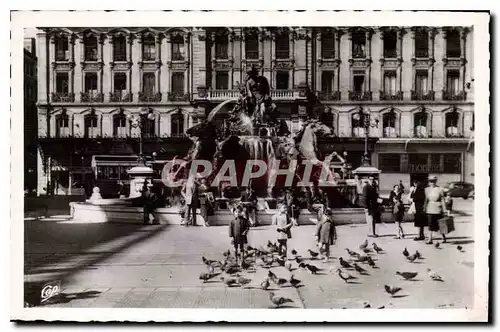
x=359, y=269
x=294, y=252
x=298, y=260
x=294, y=282
x=407, y=275
x=265, y=284
x=313, y=253
x=230, y=281
x=412, y=258
x=381, y=307
x=313, y=269
x=245, y=265
x=418, y=255
x=250, y=248
x=352, y=253
x=207, y=262
x=366, y=305
x=392, y=290
x=434, y=276
x=377, y=248
x=280, y=261
x=363, y=245
x=227, y=253
x=272, y=276
x=436, y=245
x=371, y=262
x=406, y=253
x=363, y=259
x=232, y=269
x=302, y=265
x=288, y=266
x=210, y=269
x=244, y=281
x=345, y=276
x=367, y=250
x=281, y=281
x=206, y=276
x=278, y=300
x=459, y=248
x=344, y=264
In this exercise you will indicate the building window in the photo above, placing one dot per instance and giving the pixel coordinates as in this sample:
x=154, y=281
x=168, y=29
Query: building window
x=420, y=124
x=91, y=83
x=390, y=42
x=421, y=44
x=91, y=128
x=421, y=82
x=282, y=46
x=62, y=125
x=389, y=124
x=62, y=48
x=282, y=78
x=327, y=117
x=452, y=163
x=91, y=48
x=148, y=129
x=148, y=84
x=177, y=48
x=119, y=125
x=358, y=81
x=120, y=48
x=251, y=47
x=389, y=162
x=390, y=83
x=178, y=83
x=327, y=82
x=221, y=80
x=120, y=84
x=177, y=125
x=358, y=129
x=62, y=83
x=453, y=44
x=358, y=44
x=221, y=47
x=328, y=45
x=452, y=84
x=451, y=124
x=148, y=48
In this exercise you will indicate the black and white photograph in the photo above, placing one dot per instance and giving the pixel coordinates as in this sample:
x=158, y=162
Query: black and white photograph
x=211, y=160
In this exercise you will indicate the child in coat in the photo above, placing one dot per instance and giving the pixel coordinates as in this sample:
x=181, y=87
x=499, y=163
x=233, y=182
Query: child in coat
x=238, y=230
x=326, y=233
x=283, y=225
x=448, y=203
x=399, y=212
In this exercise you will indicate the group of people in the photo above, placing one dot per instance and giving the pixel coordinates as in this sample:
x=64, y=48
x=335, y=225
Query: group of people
x=427, y=204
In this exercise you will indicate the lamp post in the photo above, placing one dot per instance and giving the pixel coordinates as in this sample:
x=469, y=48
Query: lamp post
x=138, y=122
x=367, y=122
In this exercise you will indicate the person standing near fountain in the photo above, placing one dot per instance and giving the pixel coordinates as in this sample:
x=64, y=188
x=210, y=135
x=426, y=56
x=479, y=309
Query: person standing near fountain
x=191, y=198
x=249, y=199
x=283, y=226
x=150, y=199
x=205, y=198
x=292, y=205
x=238, y=230
x=370, y=203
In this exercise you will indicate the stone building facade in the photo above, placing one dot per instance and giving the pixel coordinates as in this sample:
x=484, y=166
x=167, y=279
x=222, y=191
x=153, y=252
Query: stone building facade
x=30, y=116
x=416, y=81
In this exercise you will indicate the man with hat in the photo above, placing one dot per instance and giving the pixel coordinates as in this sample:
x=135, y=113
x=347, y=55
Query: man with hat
x=149, y=199
x=369, y=200
x=326, y=233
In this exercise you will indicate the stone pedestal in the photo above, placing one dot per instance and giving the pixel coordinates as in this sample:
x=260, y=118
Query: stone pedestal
x=138, y=175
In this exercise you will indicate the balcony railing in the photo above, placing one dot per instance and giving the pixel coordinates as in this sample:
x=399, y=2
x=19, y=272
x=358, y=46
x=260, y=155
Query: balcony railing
x=393, y=95
x=452, y=95
x=390, y=54
x=360, y=96
x=420, y=132
x=329, y=95
x=178, y=135
x=177, y=56
x=62, y=97
x=421, y=53
x=282, y=94
x=251, y=55
x=222, y=94
x=282, y=54
x=62, y=56
x=119, y=56
x=91, y=97
x=120, y=97
x=453, y=132
x=150, y=97
x=415, y=95
x=176, y=96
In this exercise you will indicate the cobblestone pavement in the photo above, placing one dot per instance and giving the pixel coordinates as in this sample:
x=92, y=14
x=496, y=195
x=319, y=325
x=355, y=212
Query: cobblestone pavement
x=112, y=265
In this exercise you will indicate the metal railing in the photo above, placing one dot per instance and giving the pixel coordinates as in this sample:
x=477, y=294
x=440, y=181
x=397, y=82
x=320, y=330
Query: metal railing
x=91, y=97
x=62, y=97
x=415, y=95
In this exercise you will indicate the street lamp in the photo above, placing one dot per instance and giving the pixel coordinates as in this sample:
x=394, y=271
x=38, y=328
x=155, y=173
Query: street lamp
x=368, y=121
x=138, y=122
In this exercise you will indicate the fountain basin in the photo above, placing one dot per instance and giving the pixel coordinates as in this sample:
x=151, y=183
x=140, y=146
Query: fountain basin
x=122, y=212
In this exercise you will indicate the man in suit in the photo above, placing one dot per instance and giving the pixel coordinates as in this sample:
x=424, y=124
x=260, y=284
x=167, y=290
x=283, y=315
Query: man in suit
x=249, y=199
x=150, y=200
x=369, y=200
x=191, y=197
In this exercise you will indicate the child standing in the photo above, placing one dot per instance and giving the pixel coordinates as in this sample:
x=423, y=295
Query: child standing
x=326, y=233
x=399, y=212
x=448, y=203
x=238, y=230
x=283, y=225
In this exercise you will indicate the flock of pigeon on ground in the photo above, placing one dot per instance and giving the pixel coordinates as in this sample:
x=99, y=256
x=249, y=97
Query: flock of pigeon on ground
x=268, y=257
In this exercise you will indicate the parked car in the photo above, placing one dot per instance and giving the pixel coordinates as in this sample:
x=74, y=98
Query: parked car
x=460, y=189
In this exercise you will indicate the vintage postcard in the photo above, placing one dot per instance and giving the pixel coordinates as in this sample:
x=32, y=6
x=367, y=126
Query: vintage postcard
x=309, y=166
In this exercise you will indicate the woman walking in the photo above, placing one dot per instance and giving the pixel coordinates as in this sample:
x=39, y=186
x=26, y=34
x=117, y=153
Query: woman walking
x=417, y=200
x=434, y=206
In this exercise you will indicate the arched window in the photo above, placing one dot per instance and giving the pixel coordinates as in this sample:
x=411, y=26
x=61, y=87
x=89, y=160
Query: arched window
x=358, y=129
x=451, y=124
x=148, y=127
x=389, y=124
x=148, y=48
x=120, y=48
x=91, y=48
x=453, y=44
x=251, y=45
x=390, y=42
x=62, y=125
x=221, y=45
x=177, y=124
x=62, y=48
x=358, y=44
x=177, y=48
x=420, y=124
x=282, y=46
x=119, y=125
x=91, y=125
x=327, y=45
